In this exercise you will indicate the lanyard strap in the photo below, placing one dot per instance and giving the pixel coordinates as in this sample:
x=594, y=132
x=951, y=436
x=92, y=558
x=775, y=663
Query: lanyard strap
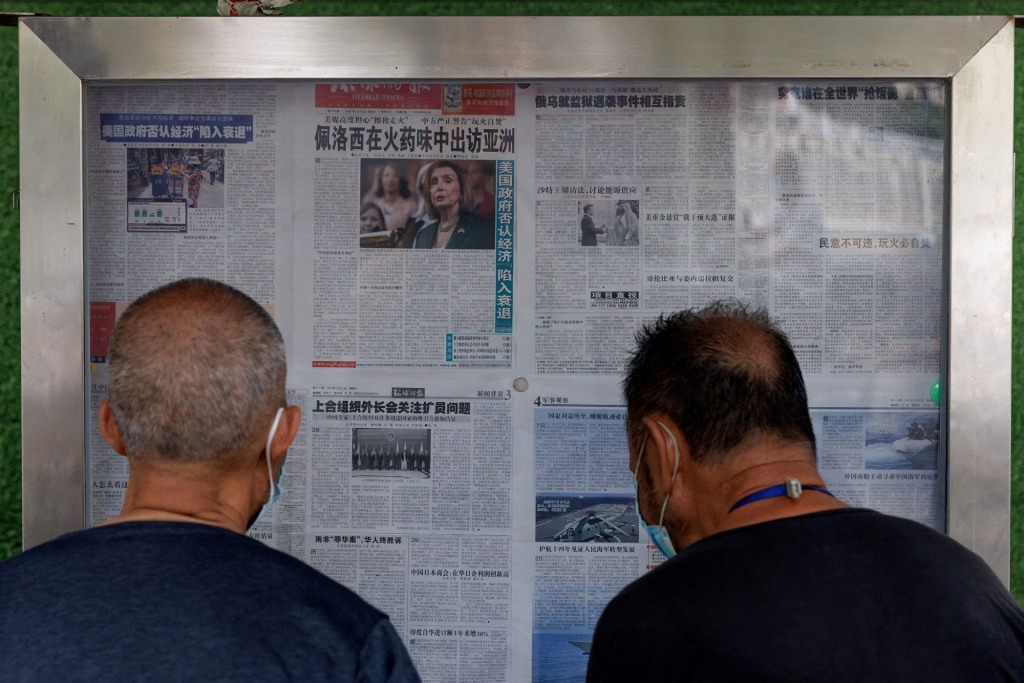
x=791, y=488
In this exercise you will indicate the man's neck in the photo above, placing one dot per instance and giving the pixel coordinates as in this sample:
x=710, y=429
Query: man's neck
x=153, y=515
x=183, y=492
x=758, y=469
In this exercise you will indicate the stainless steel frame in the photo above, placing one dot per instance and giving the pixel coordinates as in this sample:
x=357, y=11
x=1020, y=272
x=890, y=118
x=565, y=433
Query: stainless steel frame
x=60, y=55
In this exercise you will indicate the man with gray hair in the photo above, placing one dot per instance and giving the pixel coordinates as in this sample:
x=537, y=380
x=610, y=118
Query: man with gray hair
x=171, y=588
x=775, y=579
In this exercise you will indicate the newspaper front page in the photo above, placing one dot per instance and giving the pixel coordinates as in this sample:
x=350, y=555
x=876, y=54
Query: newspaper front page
x=458, y=270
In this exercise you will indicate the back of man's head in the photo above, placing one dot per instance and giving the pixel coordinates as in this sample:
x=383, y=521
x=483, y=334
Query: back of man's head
x=196, y=372
x=724, y=374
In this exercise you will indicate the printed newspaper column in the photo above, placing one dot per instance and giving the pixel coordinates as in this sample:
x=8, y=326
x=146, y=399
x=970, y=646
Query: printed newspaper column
x=410, y=505
x=413, y=231
x=587, y=542
x=635, y=213
x=165, y=167
x=856, y=279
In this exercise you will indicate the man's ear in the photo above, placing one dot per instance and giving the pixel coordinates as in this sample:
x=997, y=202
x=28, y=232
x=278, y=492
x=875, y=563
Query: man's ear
x=287, y=429
x=665, y=450
x=108, y=427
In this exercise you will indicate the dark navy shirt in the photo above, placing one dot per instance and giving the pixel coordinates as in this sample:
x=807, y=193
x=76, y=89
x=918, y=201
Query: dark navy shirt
x=164, y=601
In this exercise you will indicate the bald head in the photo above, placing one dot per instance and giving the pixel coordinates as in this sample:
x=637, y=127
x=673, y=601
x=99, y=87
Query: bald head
x=196, y=372
x=724, y=375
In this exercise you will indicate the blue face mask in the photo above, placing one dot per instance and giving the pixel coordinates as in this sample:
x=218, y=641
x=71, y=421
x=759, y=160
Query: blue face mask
x=275, y=486
x=657, y=532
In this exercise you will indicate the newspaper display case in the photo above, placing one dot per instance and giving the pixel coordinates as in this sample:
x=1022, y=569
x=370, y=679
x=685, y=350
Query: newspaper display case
x=462, y=462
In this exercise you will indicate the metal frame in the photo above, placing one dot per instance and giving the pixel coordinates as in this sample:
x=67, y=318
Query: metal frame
x=59, y=55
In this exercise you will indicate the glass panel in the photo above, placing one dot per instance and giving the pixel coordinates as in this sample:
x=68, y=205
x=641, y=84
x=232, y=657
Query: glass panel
x=570, y=213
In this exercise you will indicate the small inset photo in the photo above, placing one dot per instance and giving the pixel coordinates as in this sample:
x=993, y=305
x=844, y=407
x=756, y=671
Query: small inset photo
x=422, y=204
x=586, y=518
x=895, y=441
x=399, y=453
x=609, y=222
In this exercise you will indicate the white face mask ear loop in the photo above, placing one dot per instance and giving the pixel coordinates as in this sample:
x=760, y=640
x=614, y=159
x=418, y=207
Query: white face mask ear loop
x=270, y=438
x=675, y=469
x=640, y=455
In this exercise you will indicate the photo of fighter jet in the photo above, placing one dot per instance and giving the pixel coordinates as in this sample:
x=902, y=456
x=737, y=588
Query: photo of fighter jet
x=586, y=518
x=594, y=527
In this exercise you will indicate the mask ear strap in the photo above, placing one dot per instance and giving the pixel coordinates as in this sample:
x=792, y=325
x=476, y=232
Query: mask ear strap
x=675, y=468
x=675, y=447
x=640, y=452
x=270, y=439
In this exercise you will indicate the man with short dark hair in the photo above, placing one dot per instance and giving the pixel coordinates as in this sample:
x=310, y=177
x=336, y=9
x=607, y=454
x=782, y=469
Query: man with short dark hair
x=775, y=579
x=171, y=588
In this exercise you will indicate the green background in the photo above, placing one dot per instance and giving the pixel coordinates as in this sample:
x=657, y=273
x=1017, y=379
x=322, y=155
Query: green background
x=10, y=384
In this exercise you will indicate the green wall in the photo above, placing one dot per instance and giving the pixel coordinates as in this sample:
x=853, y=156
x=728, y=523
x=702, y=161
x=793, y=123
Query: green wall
x=10, y=384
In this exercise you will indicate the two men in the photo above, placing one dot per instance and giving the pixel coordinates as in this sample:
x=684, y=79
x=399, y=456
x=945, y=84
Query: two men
x=774, y=578
x=171, y=588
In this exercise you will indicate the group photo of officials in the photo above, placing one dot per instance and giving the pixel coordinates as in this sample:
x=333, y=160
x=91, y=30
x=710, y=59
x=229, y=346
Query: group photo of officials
x=400, y=452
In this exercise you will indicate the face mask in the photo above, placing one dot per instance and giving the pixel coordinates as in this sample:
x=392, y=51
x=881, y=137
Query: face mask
x=275, y=486
x=658, y=533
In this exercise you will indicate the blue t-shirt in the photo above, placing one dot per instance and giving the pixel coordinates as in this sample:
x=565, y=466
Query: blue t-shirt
x=166, y=601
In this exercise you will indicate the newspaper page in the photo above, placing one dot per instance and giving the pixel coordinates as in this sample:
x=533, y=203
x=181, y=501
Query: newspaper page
x=822, y=202
x=404, y=494
x=462, y=461
x=181, y=181
x=587, y=543
x=404, y=207
x=397, y=275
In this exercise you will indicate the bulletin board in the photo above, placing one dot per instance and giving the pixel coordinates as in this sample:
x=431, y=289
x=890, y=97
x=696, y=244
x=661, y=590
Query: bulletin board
x=462, y=462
